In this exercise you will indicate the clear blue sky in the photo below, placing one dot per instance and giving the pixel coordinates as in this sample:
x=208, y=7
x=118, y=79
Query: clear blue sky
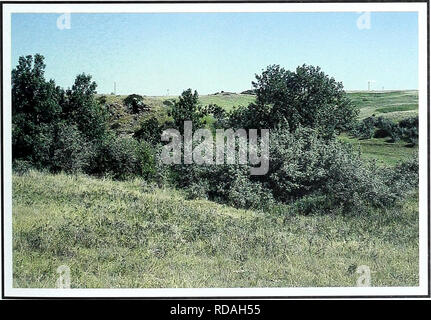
x=209, y=52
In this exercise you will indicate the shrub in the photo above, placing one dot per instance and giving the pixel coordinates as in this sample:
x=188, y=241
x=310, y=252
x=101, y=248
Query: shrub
x=135, y=103
x=329, y=175
x=21, y=166
x=147, y=161
x=380, y=127
x=410, y=130
x=150, y=130
x=245, y=193
x=118, y=157
x=186, y=108
x=70, y=152
x=364, y=129
x=197, y=190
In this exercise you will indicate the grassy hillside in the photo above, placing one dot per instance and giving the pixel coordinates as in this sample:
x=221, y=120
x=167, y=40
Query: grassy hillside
x=131, y=234
x=127, y=234
x=381, y=149
x=395, y=105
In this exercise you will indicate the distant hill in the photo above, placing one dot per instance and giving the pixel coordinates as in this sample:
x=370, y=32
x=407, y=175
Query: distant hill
x=395, y=105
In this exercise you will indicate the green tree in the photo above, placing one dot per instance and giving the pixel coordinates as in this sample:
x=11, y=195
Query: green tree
x=36, y=106
x=82, y=109
x=186, y=109
x=306, y=97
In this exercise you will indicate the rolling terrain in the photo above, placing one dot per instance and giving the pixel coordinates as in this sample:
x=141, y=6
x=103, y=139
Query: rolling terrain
x=130, y=234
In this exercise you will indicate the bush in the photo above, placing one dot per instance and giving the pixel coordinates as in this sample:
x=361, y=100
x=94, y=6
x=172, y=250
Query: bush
x=147, y=160
x=364, y=129
x=410, y=130
x=70, y=152
x=380, y=127
x=197, y=190
x=318, y=174
x=225, y=183
x=135, y=103
x=21, y=166
x=118, y=157
x=305, y=97
x=150, y=130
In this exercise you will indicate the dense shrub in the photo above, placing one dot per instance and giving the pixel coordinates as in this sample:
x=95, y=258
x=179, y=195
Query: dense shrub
x=329, y=175
x=186, y=108
x=381, y=127
x=36, y=106
x=82, y=109
x=309, y=170
x=135, y=103
x=410, y=130
x=150, y=130
x=70, y=152
x=118, y=157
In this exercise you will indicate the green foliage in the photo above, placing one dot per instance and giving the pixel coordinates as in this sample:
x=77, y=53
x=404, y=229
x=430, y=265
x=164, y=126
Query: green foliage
x=70, y=152
x=135, y=103
x=118, y=157
x=327, y=174
x=186, y=109
x=306, y=97
x=409, y=129
x=82, y=109
x=36, y=105
x=150, y=130
x=67, y=131
x=406, y=129
x=147, y=160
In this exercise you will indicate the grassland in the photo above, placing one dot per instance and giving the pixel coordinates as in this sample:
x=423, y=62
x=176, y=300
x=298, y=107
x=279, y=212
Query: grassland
x=130, y=234
x=126, y=234
x=395, y=105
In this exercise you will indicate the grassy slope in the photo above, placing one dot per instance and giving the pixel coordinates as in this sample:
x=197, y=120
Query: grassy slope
x=385, y=152
x=392, y=104
x=395, y=105
x=115, y=234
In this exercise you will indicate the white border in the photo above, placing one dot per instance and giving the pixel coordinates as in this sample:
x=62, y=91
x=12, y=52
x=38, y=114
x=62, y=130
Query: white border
x=421, y=8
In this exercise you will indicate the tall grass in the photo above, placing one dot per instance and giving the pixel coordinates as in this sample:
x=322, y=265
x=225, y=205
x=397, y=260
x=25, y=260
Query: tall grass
x=126, y=234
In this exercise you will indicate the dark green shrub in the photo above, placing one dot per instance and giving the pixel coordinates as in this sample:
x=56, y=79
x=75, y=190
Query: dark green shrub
x=380, y=127
x=147, y=160
x=186, y=108
x=305, y=97
x=197, y=190
x=135, y=104
x=364, y=129
x=150, y=130
x=410, y=130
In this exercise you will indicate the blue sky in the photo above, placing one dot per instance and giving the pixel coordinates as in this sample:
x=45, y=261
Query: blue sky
x=151, y=53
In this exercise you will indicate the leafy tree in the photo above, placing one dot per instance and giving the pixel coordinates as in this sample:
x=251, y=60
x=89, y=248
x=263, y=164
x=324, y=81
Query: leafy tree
x=82, y=108
x=305, y=97
x=186, y=109
x=36, y=104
